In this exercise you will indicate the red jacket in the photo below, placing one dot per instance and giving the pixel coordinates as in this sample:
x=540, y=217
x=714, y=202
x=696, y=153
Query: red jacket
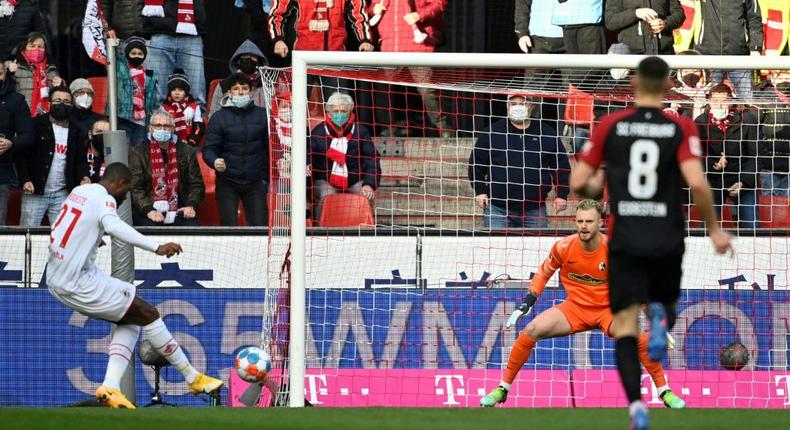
x=311, y=14
x=397, y=36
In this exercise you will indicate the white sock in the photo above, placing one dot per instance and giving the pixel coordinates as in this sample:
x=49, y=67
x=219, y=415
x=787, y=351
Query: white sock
x=161, y=339
x=505, y=385
x=662, y=389
x=120, y=352
x=636, y=406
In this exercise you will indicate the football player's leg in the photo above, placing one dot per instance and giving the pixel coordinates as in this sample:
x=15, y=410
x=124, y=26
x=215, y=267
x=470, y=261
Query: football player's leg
x=551, y=323
x=144, y=314
x=628, y=288
x=120, y=352
x=654, y=368
x=664, y=291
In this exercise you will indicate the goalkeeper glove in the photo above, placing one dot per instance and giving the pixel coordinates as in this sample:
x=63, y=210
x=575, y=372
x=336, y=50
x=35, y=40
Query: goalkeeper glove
x=524, y=309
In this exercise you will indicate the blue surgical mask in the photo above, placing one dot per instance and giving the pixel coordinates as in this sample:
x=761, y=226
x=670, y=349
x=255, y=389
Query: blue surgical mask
x=162, y=135
x=240, y=101
x=340, y=119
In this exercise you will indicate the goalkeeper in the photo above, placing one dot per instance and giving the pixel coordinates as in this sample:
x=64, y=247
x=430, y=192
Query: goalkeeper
x=582, y=260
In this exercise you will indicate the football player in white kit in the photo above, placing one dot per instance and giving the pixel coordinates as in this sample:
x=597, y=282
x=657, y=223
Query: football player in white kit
x=74, y=279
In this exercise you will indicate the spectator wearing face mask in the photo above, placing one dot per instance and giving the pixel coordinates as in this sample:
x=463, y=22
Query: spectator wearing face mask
x=82, y=115
x=32, y=73
x=342, y=157
x=775, y=149
x=167, y=186
x=237, y=148
x=94, y=149
x=729, y=142
x=137, y=97
x=16, y=134
x=246, y=60
x=55, y=164
x=513, y=167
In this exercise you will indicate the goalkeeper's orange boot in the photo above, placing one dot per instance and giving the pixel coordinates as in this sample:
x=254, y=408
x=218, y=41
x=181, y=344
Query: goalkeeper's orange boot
x=204, y=384
x=113, y=398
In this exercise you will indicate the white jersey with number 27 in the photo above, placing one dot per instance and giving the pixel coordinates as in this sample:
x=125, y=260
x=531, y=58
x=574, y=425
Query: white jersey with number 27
x=87, y=213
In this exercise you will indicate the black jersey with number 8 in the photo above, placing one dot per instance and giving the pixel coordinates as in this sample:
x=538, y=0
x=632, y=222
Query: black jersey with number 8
x=642, y=149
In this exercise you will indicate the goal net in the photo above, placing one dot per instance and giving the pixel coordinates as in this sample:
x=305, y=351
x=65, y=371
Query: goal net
x=406, y=235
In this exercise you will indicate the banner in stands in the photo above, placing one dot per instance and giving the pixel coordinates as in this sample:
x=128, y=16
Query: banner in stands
x=375, y=318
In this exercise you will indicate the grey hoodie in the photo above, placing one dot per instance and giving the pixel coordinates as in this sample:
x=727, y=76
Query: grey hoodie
x=218, y=99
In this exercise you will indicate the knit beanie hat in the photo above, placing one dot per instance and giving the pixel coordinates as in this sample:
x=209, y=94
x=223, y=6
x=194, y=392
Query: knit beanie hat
x=135, y=42
x=80, y=84
x=178, y=79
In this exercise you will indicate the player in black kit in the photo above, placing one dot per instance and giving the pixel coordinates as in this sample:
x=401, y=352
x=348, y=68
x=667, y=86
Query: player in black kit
x=649, y=157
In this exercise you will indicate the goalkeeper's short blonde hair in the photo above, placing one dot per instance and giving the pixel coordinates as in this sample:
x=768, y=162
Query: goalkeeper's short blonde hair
x=590, y=204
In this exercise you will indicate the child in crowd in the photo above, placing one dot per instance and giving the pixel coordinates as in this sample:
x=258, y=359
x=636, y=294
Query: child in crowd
x=184, y=109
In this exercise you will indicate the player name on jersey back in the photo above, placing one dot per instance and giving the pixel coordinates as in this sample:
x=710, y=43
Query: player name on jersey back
x=76, y=233
x=645, y=129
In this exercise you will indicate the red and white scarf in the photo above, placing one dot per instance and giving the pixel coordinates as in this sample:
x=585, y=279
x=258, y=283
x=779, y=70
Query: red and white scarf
x=337, y=150
x=138, y=92
x=185, y=14
x=7, y=8
x=723, y=123
x=40, y=100
x=164, y=181
x=184, y=113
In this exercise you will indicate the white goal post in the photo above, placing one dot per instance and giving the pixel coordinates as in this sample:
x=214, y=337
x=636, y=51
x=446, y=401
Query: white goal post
x=302, y=60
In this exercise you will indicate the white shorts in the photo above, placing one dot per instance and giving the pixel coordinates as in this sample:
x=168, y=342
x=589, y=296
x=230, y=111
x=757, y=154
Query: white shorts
x=97, y=295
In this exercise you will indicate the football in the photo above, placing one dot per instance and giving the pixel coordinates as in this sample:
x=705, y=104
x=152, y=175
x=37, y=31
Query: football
x=252, y=364
x=734, y=356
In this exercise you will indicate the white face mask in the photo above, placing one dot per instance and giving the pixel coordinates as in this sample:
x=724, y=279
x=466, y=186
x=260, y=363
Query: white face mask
x=84, y=101
x=518, y=113
x=719, y=113
x=618, y=74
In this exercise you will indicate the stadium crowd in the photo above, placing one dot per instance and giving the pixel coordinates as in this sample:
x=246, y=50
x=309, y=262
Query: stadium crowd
x=51, y=133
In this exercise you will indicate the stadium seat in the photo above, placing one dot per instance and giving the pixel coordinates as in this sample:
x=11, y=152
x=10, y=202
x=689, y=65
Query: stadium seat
x=346, y=210
x=99, y=84
x=695, y=219
x=774, y=212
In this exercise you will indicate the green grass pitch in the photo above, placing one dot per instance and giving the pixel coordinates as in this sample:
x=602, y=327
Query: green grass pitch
x=382, y=419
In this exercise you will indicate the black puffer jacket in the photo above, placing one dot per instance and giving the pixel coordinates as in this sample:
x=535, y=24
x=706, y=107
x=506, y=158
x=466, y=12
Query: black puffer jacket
x=124, y=16
x=620, y=16
x=241, y=138
x=730, y=27
x=738, y=144
x=168, y=24
x=15, y=125
x=13, y=29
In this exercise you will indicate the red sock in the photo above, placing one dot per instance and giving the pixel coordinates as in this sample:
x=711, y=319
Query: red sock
x=519, y=355
x=654, y=368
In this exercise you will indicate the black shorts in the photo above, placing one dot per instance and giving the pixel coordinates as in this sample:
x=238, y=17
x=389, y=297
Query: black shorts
x=640, y=280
